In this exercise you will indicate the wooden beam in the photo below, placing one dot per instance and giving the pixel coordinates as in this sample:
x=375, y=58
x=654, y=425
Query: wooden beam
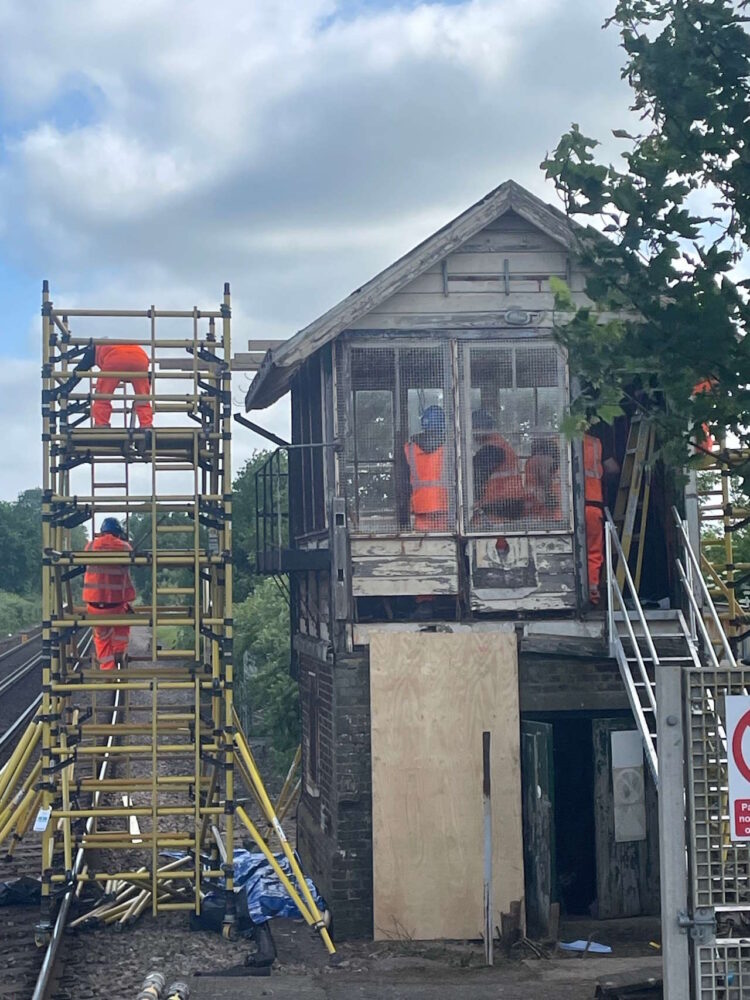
x=249, y=362
x=264, y=345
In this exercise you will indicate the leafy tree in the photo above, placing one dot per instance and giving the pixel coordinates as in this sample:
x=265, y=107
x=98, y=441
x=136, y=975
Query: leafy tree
x=677, y=217
x=17, y=612
x=21, y=543
x=261, y=655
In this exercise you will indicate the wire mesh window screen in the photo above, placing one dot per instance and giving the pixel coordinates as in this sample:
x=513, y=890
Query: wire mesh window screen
x=722, y=971
x=721, y=869
x=517, y=461
x=399, y=469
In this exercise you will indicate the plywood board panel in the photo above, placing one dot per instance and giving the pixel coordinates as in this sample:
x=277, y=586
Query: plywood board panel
x=432, y=696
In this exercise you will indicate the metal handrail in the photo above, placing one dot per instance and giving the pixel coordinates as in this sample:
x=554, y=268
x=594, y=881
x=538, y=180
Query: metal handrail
x=708, y=603
x=617, y=649
x=631, y=586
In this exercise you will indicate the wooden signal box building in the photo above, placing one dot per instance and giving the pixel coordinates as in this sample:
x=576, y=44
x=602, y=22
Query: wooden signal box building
x=439, y=597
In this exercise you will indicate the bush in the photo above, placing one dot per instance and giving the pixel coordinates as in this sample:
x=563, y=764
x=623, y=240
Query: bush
x=18, y=612
x=266, y=696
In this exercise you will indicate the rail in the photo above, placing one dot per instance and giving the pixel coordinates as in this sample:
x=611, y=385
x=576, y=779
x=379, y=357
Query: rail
x=690, y=574
x=44, y=980
x=616, y=599
x=6, y=683
x=32, y=633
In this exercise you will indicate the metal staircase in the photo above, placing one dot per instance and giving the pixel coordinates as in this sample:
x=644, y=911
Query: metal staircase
x=641, y=641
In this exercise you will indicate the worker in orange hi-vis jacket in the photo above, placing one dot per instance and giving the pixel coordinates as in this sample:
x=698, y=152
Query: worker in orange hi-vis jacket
x=108, y=591
x=425, y=457
x=118, y=358
x=709, y=442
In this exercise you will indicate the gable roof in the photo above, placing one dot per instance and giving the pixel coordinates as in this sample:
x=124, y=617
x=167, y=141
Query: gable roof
x=275, y=374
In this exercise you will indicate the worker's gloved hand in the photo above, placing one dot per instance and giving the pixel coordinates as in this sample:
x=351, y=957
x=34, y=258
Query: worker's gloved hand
x=130, y=610
x=88, y=359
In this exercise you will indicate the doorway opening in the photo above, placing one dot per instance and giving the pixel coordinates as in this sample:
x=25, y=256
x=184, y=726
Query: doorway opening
x=575, y=829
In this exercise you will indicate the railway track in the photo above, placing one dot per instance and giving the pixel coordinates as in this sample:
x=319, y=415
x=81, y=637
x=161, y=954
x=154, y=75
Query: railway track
x=27, y=970
x=20, y=686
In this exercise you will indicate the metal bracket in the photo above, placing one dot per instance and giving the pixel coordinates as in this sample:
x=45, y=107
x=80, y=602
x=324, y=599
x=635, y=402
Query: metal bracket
x=702, y=925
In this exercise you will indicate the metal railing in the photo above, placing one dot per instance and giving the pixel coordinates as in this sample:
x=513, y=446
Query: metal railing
x=691, y=577
x=271, y=512
x=617, y=605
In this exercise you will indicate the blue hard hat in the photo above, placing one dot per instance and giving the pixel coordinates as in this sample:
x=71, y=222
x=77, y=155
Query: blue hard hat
x=111, y=526
x=433, y=419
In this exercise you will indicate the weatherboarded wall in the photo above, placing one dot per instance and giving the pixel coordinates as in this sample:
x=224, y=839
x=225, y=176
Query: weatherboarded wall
x=507, y=265
x=432, y=696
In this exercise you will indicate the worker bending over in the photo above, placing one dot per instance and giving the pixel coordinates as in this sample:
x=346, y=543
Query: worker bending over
x=118, y=358
x=425, y=456
x=498, y=487
x=108, y=591
x=542, y=478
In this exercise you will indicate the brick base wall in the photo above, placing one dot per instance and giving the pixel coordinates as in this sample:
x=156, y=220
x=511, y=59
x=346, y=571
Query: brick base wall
x=562, y=684
x=334, y=822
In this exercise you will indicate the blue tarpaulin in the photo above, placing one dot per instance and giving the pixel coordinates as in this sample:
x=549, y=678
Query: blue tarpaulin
x=263, y=892
x=266, y=896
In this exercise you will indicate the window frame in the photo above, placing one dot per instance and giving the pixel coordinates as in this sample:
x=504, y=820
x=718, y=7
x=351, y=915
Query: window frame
x=463, y=427
x=348, y=458
x=456, y=346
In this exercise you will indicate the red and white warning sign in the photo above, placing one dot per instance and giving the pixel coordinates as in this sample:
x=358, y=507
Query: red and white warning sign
x=738, y=758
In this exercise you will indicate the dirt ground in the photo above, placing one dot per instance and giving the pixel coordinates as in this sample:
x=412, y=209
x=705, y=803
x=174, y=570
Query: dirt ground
x=104, y=962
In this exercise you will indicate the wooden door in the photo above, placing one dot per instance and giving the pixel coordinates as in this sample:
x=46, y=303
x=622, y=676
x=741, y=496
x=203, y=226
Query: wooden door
x=627, y=873
x=537, y=788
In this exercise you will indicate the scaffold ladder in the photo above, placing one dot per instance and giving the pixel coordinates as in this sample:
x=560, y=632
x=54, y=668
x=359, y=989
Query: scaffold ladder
x=633, y=496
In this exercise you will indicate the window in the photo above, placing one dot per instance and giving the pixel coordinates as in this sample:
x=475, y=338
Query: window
x=517, y=469
x=391, y=391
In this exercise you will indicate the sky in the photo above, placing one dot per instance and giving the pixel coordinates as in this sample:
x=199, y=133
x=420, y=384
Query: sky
x=150, y=152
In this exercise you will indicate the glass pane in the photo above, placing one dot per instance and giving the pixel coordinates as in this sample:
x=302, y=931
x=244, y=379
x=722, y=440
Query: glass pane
x=373, y=368
x=516, y=413
x=373, y=424
x=492, y=368
x=549, y=409
x=375, y=489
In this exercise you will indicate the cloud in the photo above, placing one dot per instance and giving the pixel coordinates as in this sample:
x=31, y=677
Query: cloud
x=149, y=152
x=21, y=422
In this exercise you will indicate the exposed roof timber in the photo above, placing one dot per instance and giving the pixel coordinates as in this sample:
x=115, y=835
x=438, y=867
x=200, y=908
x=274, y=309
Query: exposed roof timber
x=278, y=367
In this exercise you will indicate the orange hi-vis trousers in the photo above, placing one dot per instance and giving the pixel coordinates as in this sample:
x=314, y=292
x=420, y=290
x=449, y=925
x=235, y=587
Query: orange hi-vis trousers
x=594, y=544
x=109, y=639
x=125, y=358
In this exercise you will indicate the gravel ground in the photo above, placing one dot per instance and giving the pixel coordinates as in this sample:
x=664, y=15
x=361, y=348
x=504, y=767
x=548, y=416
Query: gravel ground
x=105, y=963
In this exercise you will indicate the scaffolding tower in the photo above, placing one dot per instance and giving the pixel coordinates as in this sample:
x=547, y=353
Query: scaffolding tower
x=722, y=517
x=138, y=765
x=173, y=758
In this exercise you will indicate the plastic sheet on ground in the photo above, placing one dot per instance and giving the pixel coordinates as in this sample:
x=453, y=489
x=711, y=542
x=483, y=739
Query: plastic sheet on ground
x=589, y=946
x=20, y=892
